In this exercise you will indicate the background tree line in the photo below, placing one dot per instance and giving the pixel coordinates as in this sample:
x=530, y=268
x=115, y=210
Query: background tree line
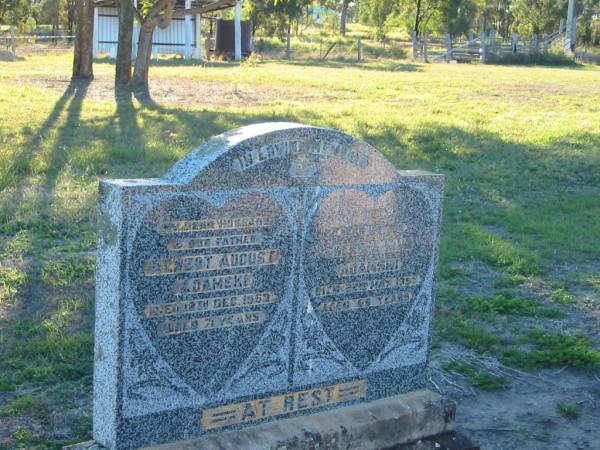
x=277, y=17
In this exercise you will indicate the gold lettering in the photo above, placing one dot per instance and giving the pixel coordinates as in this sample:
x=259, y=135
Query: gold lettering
x=253, y=410
x=211, y=284
x=222, y=223
x=368, y=267
x=209, y=304
x=201, y=263
x=199, y=243
x=365, y=302
x=389, y=282
x=170, y=327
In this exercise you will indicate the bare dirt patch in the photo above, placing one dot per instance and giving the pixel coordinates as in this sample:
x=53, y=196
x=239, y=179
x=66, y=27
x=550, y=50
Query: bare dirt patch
x=181, y=91
x=526, y=415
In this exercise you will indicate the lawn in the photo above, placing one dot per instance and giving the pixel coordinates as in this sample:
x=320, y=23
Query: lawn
x=519, y=277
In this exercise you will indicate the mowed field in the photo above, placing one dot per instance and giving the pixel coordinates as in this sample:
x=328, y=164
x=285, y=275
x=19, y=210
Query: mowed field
x=517, y=323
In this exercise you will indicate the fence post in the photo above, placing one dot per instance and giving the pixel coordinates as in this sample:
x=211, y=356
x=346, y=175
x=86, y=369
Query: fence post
x=483, y=47
x=514, y=46
x=13, y=40
x=359, y=45
x=425, y=50
x=238, y=31
x=492, y=40
x=96, y=31
x=448, y=47
x=415, y=45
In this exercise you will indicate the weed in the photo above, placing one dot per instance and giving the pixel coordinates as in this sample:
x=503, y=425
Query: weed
x=507, y=303
x=570, y=412
x=477, y=376
x=562, y=296
x=557, y=349
x=464, y=332
x=61, y=273
x=11, y=281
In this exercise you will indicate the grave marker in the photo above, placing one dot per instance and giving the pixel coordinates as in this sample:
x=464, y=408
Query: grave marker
x=275, y=271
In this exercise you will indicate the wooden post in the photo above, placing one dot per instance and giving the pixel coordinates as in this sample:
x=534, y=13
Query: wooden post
x=96, y=31
x=570, y=32
x=198, y=54
x=288, y=48
x=13, y=40
x=483, y=47
x=359, y=45
x=514, y=46
x=545, y=44
x=187, y=32
x=238, y=30
x=415, y=45
x=136, y=33
x=535, y=44
x=425, y=50
x=492, y=40
x=448, y=47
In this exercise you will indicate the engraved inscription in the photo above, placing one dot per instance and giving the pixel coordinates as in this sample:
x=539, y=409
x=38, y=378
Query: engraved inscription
x=277, y=405
x=213, y=284
x=236, y=240
x=209, y=304
x=169, y=326
x=365, y=302
x=393, y=282
x=219, y=223
x=276, y=150
x=217, y=261
x=369, y=266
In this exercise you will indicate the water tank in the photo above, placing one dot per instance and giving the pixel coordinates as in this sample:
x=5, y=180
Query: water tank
x=225, y=36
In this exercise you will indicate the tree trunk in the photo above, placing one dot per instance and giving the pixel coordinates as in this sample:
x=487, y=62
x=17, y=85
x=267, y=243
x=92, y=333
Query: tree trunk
x=124, y=46
x=418, y=18
x=343, y=17
x=144, y=53
x=84, y=39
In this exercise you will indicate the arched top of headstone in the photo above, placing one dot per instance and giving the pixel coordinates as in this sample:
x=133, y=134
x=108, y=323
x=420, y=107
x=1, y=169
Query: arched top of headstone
x=281, y=154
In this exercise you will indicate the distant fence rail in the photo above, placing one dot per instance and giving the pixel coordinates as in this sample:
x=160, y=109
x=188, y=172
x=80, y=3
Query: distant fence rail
x=449, y=48
x=16, y=42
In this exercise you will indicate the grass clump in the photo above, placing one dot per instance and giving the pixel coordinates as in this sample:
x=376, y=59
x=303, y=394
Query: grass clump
x=11, y=282
x=562, y=296
x=523, y=59
x=507, y=303
x=463, y=331
x=570, y=412
x=476, y=376
x=62, y=273
x=553, y=349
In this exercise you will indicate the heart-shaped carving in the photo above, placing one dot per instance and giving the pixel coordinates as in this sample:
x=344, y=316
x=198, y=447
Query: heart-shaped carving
x=366, y=259
x=206, y=280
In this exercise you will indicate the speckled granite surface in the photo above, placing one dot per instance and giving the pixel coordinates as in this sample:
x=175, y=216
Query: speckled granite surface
x=277, y=270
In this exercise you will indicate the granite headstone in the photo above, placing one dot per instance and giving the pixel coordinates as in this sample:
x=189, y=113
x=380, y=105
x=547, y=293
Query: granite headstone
x=277, y=270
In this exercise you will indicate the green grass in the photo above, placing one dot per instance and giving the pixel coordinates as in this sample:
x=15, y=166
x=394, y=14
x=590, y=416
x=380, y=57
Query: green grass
x=550, y=59
x=553, y=350
x=477, y=376
x=518, y=146
x=570, y=412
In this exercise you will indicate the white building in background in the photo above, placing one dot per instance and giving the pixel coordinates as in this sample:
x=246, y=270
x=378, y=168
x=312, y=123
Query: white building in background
x=182, y=37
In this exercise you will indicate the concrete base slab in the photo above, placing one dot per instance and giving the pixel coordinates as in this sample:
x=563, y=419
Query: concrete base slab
x=382, y=424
